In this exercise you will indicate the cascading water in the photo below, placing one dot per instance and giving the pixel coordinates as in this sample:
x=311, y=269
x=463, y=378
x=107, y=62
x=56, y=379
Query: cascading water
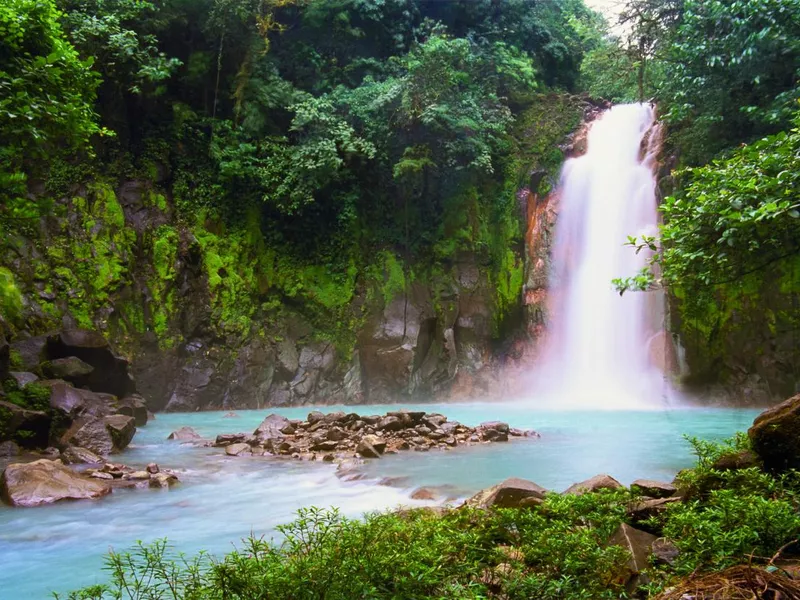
x=599, y=350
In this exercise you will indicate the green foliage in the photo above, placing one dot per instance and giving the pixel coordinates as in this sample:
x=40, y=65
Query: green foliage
x=731, y=71
x=32, y=396
x=413, y=554
x=46, y=97
x=10, y=296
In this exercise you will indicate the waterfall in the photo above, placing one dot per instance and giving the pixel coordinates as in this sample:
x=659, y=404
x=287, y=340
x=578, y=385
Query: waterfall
x=599, y=350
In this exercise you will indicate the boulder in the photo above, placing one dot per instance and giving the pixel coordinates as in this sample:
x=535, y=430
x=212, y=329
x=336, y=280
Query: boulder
x=598, y=482
x=391, y=423
x=184, y=434
x=237, y=449
x=31, y=351
x=9, y=448
x=75, y=455
x=75, y=403
x=315, y=417
x=90, y=433
x=775, y=435
x=29, y=428
x=23, y=378
x=639, y=545
x=71, y=369
x=507, y=494
x=111, y=372
x=134, y=406
x=652, y=488
x=493, y=431
x=743, y=459
x=270, y=428
x=122, y=429
x=423, y=494
x=226, y=439
x=664, y=551
x=45, y=481
x=371, y=446
x=163, y=480
x=640, y=512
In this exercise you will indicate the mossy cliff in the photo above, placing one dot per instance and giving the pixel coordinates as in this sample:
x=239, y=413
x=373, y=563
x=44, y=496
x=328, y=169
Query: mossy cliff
x=216, y=314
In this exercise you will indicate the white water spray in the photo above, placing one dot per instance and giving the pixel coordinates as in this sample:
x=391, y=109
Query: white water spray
x=598, y=352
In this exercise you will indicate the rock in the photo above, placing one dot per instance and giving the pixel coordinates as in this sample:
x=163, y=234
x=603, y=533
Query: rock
x=315, y=417
x=74, y=402
x=71, y=369
x=775, y=435
x=226, y=439
x=598, y=482
x=134, y=406
x=325, y=446
x=640, y=512
x=163, y=480
x=744, y=459
x=23, y=378
x=390, y=424
x=122, y=429
x=664, y=551
x=371, y=446
x=495, y=425
x=334, y=417
x=137, y=475
x=45, y=481
x=9, y=448
x=111, y=373
x=270, y=428
x=102, y=475
x=423, y=494
x=639, y=546
x=507, y=494
x=288, y=360
x=237, y=449
x=152, y=468
x=652, y=488
x=31, y=351
x=28, y=428
x=91, y=433
x=75, y=455
x=336, y=434
x=184, y=434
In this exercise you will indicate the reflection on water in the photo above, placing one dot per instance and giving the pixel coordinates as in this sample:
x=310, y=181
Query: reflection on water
x=223, y=499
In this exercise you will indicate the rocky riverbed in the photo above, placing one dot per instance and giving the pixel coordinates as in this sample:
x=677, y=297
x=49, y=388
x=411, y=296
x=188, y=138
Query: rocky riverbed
x=340, y=436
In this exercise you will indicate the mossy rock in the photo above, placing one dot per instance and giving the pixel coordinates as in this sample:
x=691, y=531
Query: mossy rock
x=775, y=435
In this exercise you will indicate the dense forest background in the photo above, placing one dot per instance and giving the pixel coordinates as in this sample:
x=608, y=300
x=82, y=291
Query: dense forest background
x=319, y=157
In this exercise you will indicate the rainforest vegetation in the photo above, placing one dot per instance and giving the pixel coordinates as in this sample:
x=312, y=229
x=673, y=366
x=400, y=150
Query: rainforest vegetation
x=314, y=153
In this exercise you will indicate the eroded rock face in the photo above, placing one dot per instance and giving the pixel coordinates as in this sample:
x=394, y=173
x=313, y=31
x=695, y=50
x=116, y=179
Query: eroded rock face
x=775, y=435
x=110, y=374
x=29, y=428
x=639, y=545
x=653, y=489
x=46, y=481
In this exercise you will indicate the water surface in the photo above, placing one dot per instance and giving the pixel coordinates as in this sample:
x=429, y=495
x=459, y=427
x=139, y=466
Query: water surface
x=223, y=499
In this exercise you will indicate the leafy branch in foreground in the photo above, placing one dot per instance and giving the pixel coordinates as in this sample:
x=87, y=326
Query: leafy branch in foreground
x=735, y=216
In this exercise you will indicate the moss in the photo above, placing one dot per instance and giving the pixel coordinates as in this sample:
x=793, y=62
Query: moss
x=15, y=360
x=10, y=296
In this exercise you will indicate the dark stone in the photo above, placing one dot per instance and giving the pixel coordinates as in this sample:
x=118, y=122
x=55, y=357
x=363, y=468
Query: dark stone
x=775, y=435
x=23, y=378
x=744, y=459
x=643, y=510
x=664, y=552
x=598, y=482
x=122, y=429
x=325, y=446
x=494, y=426
x=193, y=388
x=390, y=424
x=74, y=402
x=71, y=369
x=45, y=481
x=335, y=417
x=31, y=351
x=507, y=494
x=29, y=428
x=315, y=417
x=639, y=546
x=134, y=406
x=652, y=488
x=226, y=439
x=9, y=448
